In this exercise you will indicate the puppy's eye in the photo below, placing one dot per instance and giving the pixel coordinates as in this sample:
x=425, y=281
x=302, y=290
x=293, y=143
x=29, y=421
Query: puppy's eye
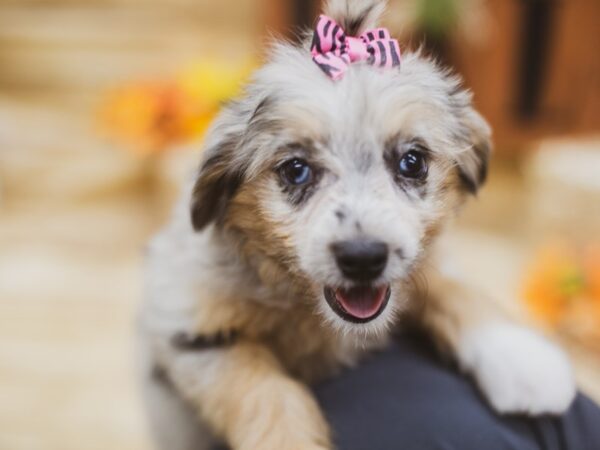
x=296, y=172
x=413, y=164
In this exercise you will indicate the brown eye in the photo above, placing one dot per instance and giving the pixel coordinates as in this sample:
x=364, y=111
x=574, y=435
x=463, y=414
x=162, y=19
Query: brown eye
x=413, y=164
x=296, y=172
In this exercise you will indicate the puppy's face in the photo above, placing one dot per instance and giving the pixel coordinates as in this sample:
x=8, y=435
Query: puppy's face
x=341, y=186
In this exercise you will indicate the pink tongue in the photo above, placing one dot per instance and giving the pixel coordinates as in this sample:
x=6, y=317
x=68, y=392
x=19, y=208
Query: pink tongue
x=361, y=302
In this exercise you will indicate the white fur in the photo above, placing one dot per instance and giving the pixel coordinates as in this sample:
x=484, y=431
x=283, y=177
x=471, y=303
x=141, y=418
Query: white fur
x=341, y=9
x=518, y=370
x=197, y=281
x=355, y=117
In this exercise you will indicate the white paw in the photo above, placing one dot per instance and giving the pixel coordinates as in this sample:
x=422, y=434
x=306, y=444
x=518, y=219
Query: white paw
x=518, y=370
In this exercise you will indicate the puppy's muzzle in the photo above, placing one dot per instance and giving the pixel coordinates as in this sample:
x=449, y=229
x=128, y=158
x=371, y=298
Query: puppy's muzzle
x=360, y=260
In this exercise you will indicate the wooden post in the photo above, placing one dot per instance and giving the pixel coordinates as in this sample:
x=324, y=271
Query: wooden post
x=285, y=17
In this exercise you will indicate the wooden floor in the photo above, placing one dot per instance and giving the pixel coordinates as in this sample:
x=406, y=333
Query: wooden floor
x=69, y=282
x=75, y=212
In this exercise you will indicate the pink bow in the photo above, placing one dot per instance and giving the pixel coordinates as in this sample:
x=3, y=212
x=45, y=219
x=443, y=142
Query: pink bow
x=333, y=51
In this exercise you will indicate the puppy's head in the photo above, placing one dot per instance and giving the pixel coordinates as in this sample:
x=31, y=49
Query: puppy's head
x=339, y=187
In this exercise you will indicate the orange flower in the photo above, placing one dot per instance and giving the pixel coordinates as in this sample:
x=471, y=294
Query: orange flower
x=145, y=116
x=591, y=267
x=550, y=280
x=562, y=290
x=150, y=117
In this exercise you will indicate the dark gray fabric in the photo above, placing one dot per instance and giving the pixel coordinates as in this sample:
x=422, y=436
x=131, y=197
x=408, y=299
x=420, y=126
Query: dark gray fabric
x=405, y=398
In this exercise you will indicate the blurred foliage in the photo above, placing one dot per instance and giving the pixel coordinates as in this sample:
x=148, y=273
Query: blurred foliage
x=436, y=18
x=562, y=290
x=152, y=116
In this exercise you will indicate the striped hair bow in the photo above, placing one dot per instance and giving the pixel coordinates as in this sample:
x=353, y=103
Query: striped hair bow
x=333, y=51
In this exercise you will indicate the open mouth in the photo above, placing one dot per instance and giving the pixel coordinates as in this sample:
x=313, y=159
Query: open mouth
x=358, y=304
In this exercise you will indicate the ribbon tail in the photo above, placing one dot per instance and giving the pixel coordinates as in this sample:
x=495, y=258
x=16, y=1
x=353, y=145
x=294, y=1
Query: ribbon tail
x=335, y=67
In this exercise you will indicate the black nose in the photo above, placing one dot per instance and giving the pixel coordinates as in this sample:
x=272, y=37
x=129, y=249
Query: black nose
x=360, y=260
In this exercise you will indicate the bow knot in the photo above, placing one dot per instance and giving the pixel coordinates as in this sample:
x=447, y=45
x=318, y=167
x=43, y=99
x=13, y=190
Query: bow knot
x=333, y=51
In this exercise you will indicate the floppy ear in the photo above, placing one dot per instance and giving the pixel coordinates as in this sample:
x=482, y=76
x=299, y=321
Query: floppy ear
x=216, y=184
x=475, y=138
x=234, y=136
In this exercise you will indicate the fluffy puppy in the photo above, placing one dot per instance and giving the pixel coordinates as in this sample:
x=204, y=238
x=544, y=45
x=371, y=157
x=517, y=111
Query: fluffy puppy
x=296, y=249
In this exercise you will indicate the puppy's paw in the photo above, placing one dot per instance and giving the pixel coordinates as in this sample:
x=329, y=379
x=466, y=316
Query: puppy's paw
x=518, y=370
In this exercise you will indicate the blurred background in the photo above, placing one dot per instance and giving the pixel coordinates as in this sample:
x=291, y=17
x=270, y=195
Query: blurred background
x=103, y=104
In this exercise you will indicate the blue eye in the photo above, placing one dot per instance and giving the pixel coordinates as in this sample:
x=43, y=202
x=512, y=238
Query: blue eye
x=296, y=172
x=413, y=164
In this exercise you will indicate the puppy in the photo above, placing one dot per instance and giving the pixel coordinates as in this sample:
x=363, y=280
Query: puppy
x=297, y=248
